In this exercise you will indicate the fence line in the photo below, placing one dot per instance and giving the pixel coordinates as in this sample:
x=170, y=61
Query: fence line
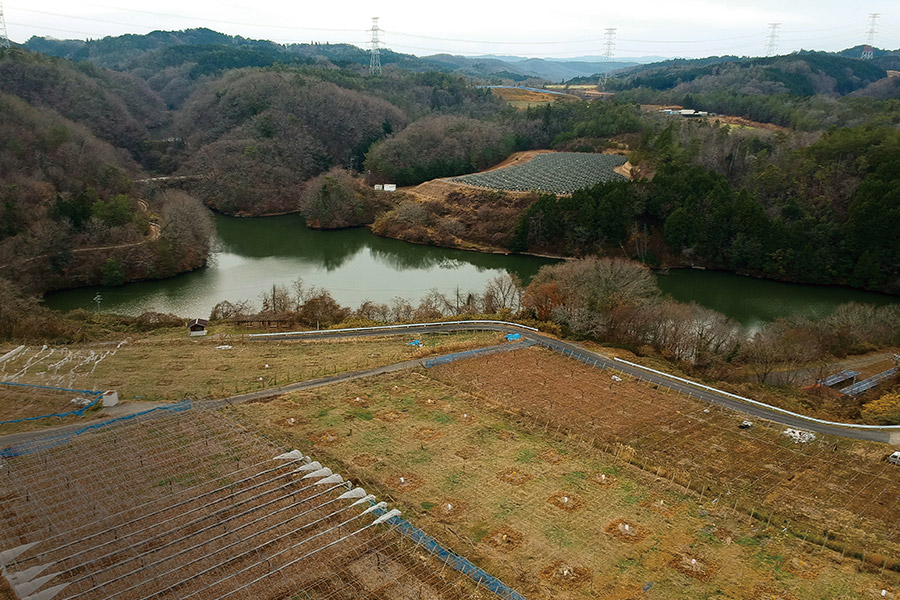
x=59, y=439
x=383, y=327
x=476, y=574
x=448, y=358
x=77, y=412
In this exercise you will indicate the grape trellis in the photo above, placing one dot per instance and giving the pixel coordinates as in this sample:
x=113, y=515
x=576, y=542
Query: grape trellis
x=557, y=172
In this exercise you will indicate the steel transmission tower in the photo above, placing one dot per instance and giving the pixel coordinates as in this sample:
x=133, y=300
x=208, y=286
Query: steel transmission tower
x=609, y=47
x=375, y=52
x=868, y=52
x=772, y=39
x=4, y=37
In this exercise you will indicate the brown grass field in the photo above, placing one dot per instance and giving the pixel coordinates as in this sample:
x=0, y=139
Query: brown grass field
x=546, y=473
x=522, y=99
x=171, y=369
x=845, y=487
x=547, y=512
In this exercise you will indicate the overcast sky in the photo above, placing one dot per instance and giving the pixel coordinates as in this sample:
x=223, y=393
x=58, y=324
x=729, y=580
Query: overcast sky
x=565, y=28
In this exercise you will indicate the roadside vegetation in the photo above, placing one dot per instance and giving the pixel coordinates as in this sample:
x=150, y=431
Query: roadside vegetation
x=613, y=302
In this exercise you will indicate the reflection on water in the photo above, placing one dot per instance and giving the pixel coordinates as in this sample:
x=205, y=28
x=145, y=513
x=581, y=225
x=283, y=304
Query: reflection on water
x=352, y=264
x=752, y=301
x=355, y=266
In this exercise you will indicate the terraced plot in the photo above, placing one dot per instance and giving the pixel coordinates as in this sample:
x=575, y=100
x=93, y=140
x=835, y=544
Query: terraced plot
x=192, y=506
x=556, y=172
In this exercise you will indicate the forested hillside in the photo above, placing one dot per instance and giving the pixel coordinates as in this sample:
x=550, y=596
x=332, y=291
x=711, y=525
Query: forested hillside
x=70, y=213
x=251, y=127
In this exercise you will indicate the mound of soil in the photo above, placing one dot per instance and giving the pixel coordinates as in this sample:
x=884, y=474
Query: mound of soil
x=515, y=476
x=694, y=566
x=566, y=501
x=505, y=539
x=326, y=437
x=563, y=575
x=627, y=531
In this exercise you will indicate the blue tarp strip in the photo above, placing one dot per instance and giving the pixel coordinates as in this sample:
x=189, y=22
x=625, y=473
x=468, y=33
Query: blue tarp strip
x=44, y=443
x=50, y=387
x=459, y=563
x=78, y=412
x=442, y=360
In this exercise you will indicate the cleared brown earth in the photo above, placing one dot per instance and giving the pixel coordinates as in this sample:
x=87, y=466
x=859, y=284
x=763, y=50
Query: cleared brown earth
x=521, y=98
x=831, y=489
x=550, y=515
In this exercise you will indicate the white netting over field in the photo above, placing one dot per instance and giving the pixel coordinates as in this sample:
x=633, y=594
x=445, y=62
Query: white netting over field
x=191, y=505
x=555, y=172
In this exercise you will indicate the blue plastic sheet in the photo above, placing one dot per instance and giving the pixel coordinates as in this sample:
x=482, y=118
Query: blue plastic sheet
x=457, y=562
x=72, y=413
x=52, y=441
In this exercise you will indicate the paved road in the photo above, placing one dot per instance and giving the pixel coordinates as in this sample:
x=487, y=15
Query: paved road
x=887, y=434
x=756, y=410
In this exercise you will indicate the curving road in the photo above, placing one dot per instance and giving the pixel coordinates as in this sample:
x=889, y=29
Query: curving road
x=885, y=434
x=759, y=410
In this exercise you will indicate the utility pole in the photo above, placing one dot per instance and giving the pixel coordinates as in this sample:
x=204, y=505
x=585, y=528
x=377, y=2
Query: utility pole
x=868, y=52
x=4, y=36
x=609, y=47
x=375, y=52
x=772, y=39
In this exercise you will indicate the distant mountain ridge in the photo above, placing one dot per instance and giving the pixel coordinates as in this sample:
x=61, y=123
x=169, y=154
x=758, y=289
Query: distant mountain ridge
x=132, y=51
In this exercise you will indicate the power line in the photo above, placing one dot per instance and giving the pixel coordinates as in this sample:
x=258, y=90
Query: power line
x=772, y=39
x=4, y=36
x=868, y=52
x=608, y=48
x=375, y=57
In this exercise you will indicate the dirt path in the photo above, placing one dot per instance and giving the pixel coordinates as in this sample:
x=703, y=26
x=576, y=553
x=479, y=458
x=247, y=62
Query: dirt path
x=153, y=235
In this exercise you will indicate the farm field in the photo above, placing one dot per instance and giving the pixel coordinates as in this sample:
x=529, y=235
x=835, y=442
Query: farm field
x=548, y=514
x=523, y=98
x=191, y=505
x=844, y=487
x=26, y=402
x=554, y=172
x=172, y=369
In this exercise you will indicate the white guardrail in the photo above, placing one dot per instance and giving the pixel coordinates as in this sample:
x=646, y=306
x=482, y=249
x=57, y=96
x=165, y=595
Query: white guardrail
x=382, y=327
x=760, y=404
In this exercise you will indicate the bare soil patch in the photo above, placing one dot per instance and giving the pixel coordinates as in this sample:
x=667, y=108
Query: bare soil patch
x=566, y=501
x=403, y=482
x=565, y=576
x=449, y=510
x=365, y=460
x=515, y=476
x=428, y=433
x=468, y=452
x=694, y=566
x=504, y=539
x=627, y=531
x=326, y=437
